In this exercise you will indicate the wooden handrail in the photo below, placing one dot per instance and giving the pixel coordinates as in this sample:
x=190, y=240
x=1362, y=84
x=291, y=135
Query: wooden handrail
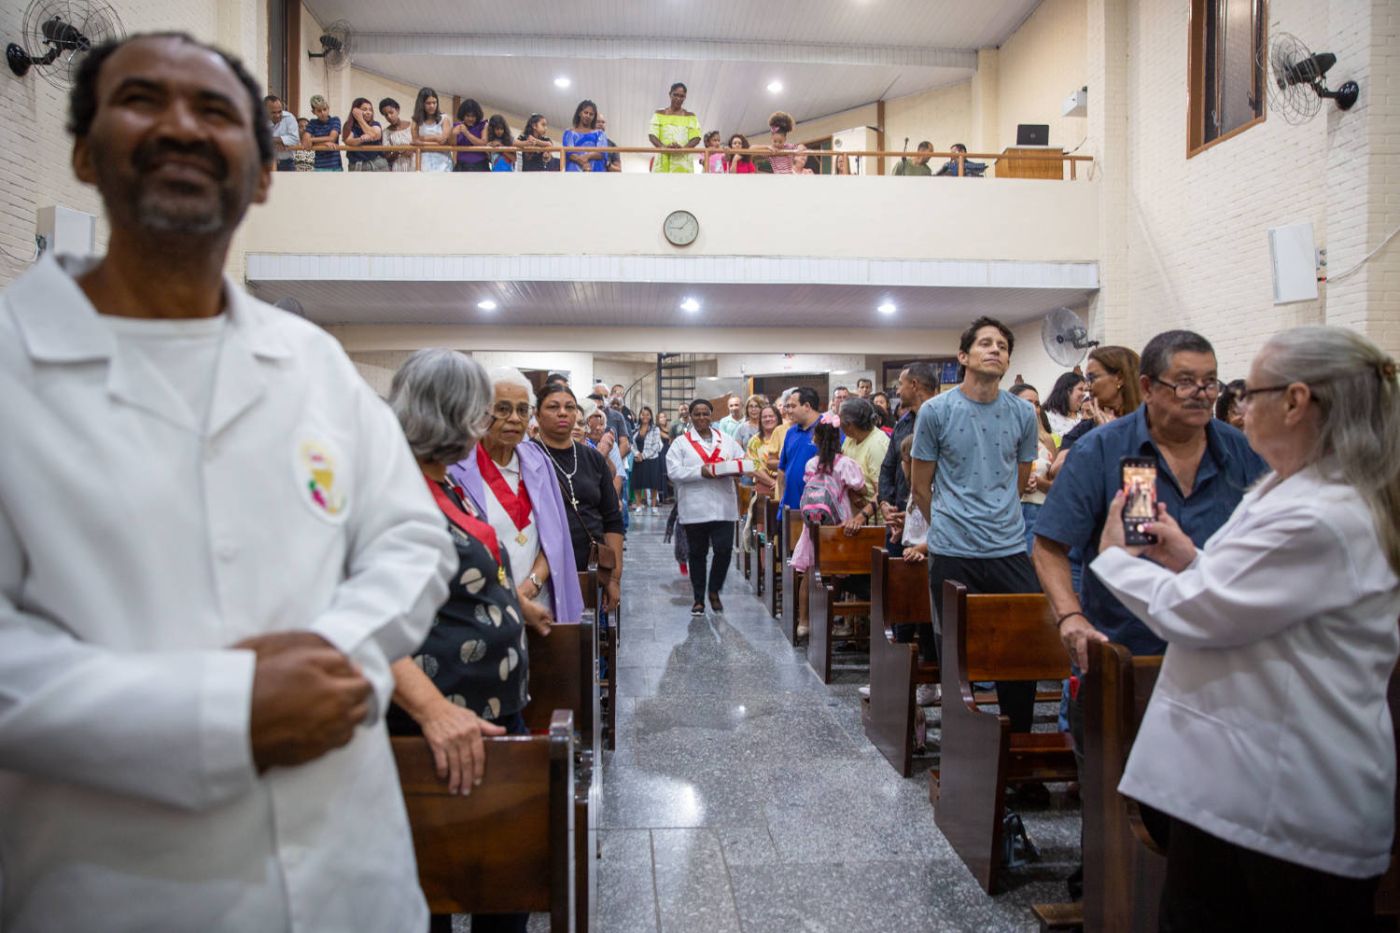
x=757, y=152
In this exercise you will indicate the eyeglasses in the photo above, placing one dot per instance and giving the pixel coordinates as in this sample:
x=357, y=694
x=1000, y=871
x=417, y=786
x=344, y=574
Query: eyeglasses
x=503, y=411
x=1185, y=390
x=1245, y=394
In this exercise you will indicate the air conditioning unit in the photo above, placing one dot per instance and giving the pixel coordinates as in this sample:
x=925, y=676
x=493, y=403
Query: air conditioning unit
x=1076, y=104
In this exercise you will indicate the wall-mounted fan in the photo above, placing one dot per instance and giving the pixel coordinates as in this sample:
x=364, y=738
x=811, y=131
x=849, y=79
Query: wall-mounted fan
x=288, y=303
x=65, y=31
x=1065, y=337
x=1296, y=79
x=337, y=45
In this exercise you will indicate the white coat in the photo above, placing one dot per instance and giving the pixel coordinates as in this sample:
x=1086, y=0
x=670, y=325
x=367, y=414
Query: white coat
x=1269, y=726
x=699, y=498
x=133, y=550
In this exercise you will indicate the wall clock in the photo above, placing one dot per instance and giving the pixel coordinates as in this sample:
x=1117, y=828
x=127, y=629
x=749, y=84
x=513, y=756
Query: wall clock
x=681, y=228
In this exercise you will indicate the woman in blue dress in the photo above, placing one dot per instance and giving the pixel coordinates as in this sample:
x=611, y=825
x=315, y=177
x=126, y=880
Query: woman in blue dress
x=585, y=132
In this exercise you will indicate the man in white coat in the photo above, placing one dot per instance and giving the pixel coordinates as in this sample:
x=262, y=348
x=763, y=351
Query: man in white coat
x=213, y=543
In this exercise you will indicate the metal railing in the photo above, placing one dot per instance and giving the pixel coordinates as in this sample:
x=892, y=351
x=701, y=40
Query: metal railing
x=990, y=159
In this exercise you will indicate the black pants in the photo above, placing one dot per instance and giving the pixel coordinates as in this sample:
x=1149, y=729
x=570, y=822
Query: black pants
x=1217, y=885
x=983, y=575
x=700, y=537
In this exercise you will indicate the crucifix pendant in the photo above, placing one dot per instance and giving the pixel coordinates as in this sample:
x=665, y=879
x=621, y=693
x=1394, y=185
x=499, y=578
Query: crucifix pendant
x=574, y=503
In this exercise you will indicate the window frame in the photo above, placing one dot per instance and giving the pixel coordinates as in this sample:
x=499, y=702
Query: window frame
x=1197, y=106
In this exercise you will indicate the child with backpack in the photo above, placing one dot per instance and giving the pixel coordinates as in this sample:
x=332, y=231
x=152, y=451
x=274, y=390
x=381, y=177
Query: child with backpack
x=834, y=490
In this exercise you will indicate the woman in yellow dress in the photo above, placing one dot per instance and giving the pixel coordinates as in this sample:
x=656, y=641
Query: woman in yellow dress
x=675, y=128
x=763, y=450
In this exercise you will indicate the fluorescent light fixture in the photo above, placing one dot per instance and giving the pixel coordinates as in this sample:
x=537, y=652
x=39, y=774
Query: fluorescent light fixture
x=691, y=305
x=775, y=87
x=887, y=308
x=487, y=305
x=562, y=82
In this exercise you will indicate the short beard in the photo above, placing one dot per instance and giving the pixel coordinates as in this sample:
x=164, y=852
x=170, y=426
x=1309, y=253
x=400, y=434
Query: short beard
x=153, y=213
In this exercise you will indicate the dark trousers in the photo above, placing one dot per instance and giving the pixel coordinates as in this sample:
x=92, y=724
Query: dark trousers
x=700, y=538
x=1216, y=885
x=984, y=575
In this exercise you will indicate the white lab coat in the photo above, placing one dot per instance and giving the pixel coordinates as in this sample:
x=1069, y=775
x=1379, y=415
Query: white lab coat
x=1269, y=726
x=699, y=498
x=133, y=551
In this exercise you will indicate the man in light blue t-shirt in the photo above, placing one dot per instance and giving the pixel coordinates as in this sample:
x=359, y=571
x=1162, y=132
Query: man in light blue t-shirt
x=973, y=449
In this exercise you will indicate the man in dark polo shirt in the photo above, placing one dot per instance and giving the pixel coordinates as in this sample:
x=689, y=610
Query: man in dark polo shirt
x=1204, y=466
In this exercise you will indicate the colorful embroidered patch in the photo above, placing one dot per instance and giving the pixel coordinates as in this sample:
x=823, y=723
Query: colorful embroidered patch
x=318, y=475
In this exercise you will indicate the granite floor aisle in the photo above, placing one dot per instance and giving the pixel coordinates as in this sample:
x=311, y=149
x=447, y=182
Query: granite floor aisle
x=744, y=796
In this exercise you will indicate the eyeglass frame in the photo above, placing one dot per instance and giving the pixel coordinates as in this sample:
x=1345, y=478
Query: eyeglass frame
x=524, y=410
x=1210, y=389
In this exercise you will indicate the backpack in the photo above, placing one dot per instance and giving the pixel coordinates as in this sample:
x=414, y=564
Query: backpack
x=821, y=499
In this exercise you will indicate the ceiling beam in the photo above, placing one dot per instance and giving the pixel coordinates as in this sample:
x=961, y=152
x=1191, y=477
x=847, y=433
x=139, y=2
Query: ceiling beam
x=659, y=49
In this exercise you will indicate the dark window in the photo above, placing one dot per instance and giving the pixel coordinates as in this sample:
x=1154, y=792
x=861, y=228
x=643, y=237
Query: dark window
x=1226, y=70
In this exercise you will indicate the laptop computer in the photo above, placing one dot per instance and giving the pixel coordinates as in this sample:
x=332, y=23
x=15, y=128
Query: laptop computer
x=1033, y=134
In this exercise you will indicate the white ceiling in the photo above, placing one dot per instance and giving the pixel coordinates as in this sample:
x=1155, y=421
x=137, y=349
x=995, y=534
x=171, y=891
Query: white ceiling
x=830, y=55
x=657, y=304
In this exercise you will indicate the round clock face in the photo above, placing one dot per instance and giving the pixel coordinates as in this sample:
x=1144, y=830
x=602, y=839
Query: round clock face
x=681, y=228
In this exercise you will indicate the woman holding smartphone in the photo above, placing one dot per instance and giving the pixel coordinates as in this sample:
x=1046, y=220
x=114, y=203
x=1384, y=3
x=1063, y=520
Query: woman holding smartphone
x=1268, y=743
x=703, y=464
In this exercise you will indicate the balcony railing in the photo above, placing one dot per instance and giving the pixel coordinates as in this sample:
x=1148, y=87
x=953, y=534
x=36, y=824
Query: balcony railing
x=1013, y=163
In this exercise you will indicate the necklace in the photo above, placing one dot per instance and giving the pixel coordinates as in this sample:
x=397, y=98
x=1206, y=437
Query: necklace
x=569, y=476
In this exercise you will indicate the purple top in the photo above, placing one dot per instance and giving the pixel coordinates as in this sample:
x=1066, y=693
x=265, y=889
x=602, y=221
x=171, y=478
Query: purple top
x=479, y=131
x=537, y=473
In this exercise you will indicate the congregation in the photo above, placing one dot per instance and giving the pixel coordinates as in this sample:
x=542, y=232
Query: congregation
x=413, y=141
x=394, y=571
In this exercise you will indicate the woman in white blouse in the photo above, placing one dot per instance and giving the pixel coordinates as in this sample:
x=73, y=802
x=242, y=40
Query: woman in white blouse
x=1268, y=742
x=703, y=463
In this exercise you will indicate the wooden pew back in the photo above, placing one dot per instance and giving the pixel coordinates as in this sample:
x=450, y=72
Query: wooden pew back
x=1122, y=877
x=898, y=591
x=509, y=845
x=1016, y=637
x=834, y=552
x=898, y=595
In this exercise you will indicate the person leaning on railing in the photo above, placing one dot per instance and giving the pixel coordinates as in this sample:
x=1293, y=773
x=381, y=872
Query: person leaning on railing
x=919, y=165
x=430, y=128
x=535, y=136
x=361, y=130
x=967, y=170
x=397, y=132
x=1268, y=741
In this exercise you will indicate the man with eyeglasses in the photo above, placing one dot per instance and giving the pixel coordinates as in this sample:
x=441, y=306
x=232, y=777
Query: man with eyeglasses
x=1204, y=467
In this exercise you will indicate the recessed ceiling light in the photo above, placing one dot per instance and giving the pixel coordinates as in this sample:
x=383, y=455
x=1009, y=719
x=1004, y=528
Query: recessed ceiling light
x=887, y=308
x=775, y=87
x=691, y=305
x=487, y=305
x=562, y=82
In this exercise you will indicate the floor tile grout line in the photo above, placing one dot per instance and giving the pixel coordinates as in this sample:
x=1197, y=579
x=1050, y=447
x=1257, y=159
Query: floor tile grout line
x=729, y=878
x=655, y=885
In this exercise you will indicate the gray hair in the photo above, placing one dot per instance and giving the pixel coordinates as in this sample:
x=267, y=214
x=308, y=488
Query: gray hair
x=1157, y=356
x=442, y=399
x=1354, y=384
x=859, y=412
x=511, y=376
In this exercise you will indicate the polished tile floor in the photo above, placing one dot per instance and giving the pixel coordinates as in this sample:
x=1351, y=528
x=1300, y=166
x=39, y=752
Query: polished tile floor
x=744, y=796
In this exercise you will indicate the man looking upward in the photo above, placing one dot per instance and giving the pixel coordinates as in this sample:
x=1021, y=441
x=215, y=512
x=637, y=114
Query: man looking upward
x=214, y=541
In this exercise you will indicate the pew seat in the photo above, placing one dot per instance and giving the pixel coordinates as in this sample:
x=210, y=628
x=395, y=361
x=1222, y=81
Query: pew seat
x=509, y=845
x=835, y=554
x=769, y=550
x=790, y=523
x=898, y=596
x=992, y=638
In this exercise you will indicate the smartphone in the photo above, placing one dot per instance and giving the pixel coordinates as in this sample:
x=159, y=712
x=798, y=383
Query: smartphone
x=1138, y=476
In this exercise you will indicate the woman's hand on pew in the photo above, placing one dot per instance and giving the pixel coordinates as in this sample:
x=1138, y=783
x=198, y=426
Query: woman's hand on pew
x=916, y=553
x=454, y=734
x=612, y=594
x=537, y=617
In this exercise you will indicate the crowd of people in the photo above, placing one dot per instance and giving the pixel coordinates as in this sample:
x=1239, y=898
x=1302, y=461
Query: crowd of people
x=204, y=643
x=406, y=141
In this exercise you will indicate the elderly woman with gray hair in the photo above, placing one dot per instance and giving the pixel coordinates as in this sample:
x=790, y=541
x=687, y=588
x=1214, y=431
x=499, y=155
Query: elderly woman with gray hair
x=1268, y=742
x=513, y=485
x=471, y=677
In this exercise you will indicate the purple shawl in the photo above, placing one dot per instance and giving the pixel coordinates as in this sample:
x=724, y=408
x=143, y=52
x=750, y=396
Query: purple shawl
x=537, y=473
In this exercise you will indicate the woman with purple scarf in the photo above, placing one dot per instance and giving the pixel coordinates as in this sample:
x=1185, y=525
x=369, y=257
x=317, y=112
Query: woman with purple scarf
x=514, y=486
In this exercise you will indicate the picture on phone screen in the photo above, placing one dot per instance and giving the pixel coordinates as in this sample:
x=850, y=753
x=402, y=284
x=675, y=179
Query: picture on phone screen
x=1139, y=478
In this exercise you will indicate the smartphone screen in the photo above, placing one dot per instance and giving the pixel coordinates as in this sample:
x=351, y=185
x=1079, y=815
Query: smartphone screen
x=1139, y=483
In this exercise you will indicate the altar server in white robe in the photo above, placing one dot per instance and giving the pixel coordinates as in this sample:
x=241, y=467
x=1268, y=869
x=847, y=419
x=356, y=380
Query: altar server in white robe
x=213, y=543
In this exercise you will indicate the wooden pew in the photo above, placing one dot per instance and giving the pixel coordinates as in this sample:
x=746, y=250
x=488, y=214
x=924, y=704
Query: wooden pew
x=992, y=637
x=834, y=553
x=790, y=521
x=743, y=556
x=1123, y=869
x=563, y=676
x=606, y=652
x=509, y=845
x=769, y=572
x=898, y=596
